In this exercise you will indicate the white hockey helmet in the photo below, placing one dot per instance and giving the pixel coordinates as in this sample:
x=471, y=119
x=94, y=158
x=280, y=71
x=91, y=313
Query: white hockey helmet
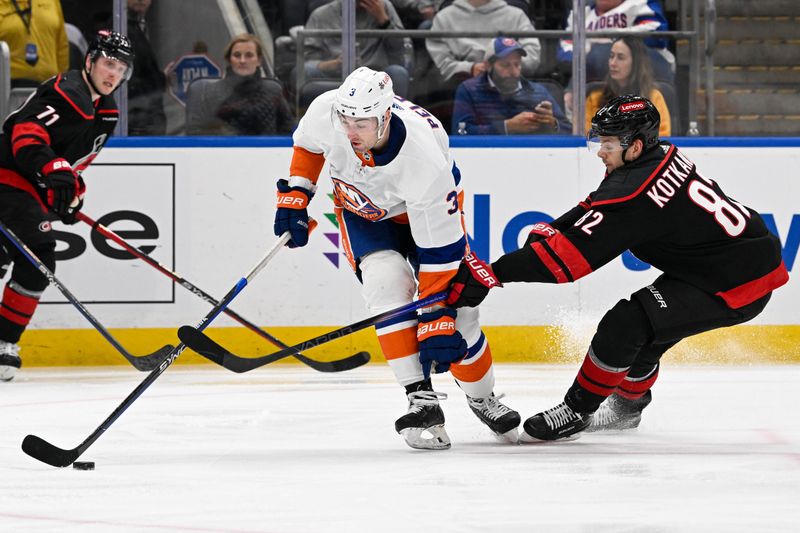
x=365, y=93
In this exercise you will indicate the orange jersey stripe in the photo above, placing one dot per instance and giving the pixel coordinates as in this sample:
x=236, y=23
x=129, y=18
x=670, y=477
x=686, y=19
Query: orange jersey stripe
x=348, y=250
x=306, y=164
x=398, y=344
x=432, y=282
x=474, y=371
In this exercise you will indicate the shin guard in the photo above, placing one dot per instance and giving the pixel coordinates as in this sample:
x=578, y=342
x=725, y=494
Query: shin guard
x=594, y=383
x=16, y=310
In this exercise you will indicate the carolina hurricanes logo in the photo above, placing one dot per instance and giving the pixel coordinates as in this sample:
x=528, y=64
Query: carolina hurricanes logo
x=45, y=226
x=356, y=201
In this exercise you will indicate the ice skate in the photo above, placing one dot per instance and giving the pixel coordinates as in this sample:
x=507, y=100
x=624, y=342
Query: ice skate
x=618, y=413
x=501, y=419
x=9, y=360
x=424, y=416
x=557, y=423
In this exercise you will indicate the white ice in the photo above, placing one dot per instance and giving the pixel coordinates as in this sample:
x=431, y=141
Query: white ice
x=286, y=449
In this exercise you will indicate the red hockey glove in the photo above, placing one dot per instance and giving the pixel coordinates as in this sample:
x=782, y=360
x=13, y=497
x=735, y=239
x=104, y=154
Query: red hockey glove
x=292, y=215
x=471, y=283
x=439, y=342
x=540, y=231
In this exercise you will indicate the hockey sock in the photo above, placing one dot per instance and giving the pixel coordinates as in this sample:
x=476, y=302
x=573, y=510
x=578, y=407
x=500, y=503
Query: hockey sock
x=16, y=310
x=634, y=388
x=594, y=383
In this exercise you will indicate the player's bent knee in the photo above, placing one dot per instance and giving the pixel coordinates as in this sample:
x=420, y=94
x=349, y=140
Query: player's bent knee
x=26, y=275
x=622, y=332
x=387, y=280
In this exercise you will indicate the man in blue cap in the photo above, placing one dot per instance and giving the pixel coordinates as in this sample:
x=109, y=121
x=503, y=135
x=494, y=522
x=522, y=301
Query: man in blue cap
x=500, y=101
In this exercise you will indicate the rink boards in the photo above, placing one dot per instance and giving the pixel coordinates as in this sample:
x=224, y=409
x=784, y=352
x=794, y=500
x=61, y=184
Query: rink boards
x=204, y=208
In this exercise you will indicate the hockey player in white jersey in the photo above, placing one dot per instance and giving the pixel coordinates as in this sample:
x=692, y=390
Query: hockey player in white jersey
x=398, y=200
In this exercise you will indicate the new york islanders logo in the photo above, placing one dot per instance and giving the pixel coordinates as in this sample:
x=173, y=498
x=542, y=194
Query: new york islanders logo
x=356, y=201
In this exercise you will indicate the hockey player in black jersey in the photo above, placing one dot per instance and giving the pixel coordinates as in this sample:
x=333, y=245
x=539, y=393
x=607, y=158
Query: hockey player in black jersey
x=44, y=147
x=719, y=263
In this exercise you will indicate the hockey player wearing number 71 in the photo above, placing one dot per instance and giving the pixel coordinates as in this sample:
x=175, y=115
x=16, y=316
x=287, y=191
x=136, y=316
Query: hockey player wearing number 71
x=397, y=197
x=719, y=263
x=45, y=146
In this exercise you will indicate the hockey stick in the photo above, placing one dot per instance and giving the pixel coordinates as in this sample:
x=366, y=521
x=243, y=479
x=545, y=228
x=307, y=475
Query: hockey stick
x=198, y=341
x=45, y=452
x=348, y=363
x=144, y=363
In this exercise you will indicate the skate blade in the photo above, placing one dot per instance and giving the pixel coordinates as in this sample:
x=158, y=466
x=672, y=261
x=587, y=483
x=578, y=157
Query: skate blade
x=439, y=440
x=509, y=437
x=615, y=427
x=527, y=439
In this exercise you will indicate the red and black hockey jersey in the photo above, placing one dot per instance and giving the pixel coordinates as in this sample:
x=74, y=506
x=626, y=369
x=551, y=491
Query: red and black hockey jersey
x=669, y=215
x=59, y=124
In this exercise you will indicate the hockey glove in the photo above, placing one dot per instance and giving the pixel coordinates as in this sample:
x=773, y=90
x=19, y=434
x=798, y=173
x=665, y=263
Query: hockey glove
x=471, y=283
x=439, y=342
x=539, y=232
x=292, y=213
x=59, y=186
x=61, y=191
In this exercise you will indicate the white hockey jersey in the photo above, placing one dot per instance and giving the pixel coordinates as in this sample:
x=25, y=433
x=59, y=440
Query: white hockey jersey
x=412, y=180
x=633, y=15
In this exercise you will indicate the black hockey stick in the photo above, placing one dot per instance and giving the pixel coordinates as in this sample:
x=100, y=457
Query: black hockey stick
x=348, y=363
x=140, y=362
x=45, y=452
x=198, y=341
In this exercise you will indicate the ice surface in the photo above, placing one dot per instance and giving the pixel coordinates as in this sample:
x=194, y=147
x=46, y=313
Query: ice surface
x=285, y=449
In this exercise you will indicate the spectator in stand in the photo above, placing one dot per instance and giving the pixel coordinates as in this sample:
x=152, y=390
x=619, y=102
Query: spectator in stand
x=500, y=101
x=631, y=15
x=282, y=15
x=629, y=72
x=413, y=13
x=463, y=57
x=241, y=103
x=324, y=55
x=36, y=38
x=146, y=88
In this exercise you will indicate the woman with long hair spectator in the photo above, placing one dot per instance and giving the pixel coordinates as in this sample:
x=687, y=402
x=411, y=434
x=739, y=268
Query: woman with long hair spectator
x=629, y=72
x=244, y=102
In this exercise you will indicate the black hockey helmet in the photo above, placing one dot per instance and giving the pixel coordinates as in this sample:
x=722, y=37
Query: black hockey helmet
x=112, y=45
x=628, y=117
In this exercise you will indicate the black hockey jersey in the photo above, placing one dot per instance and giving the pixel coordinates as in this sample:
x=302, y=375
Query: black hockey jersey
x=57, y=127
x=669, y=215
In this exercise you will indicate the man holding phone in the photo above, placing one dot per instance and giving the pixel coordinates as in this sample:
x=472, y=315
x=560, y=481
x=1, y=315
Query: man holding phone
x=500, y=101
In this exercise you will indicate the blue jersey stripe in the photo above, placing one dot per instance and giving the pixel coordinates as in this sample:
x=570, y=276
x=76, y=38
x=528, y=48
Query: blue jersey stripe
x=443, y=254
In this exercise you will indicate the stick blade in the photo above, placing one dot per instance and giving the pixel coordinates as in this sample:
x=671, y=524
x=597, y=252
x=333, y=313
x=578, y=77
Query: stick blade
x=43, y=451
x=205, y=346
x=147, y=363
x=200, y=343
x=341, y=365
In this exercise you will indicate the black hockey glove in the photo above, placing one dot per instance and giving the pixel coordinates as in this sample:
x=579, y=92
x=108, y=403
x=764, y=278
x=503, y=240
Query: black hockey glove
x=62, y=188
x=439, y=342
x=71, y=217
x=292, y=213
x=471, y=283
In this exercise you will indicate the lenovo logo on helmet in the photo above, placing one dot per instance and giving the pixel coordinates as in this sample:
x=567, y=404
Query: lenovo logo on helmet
x=632, y=106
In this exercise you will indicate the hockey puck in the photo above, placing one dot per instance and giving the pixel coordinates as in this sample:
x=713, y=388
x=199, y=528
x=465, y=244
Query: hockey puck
x=81, y=465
